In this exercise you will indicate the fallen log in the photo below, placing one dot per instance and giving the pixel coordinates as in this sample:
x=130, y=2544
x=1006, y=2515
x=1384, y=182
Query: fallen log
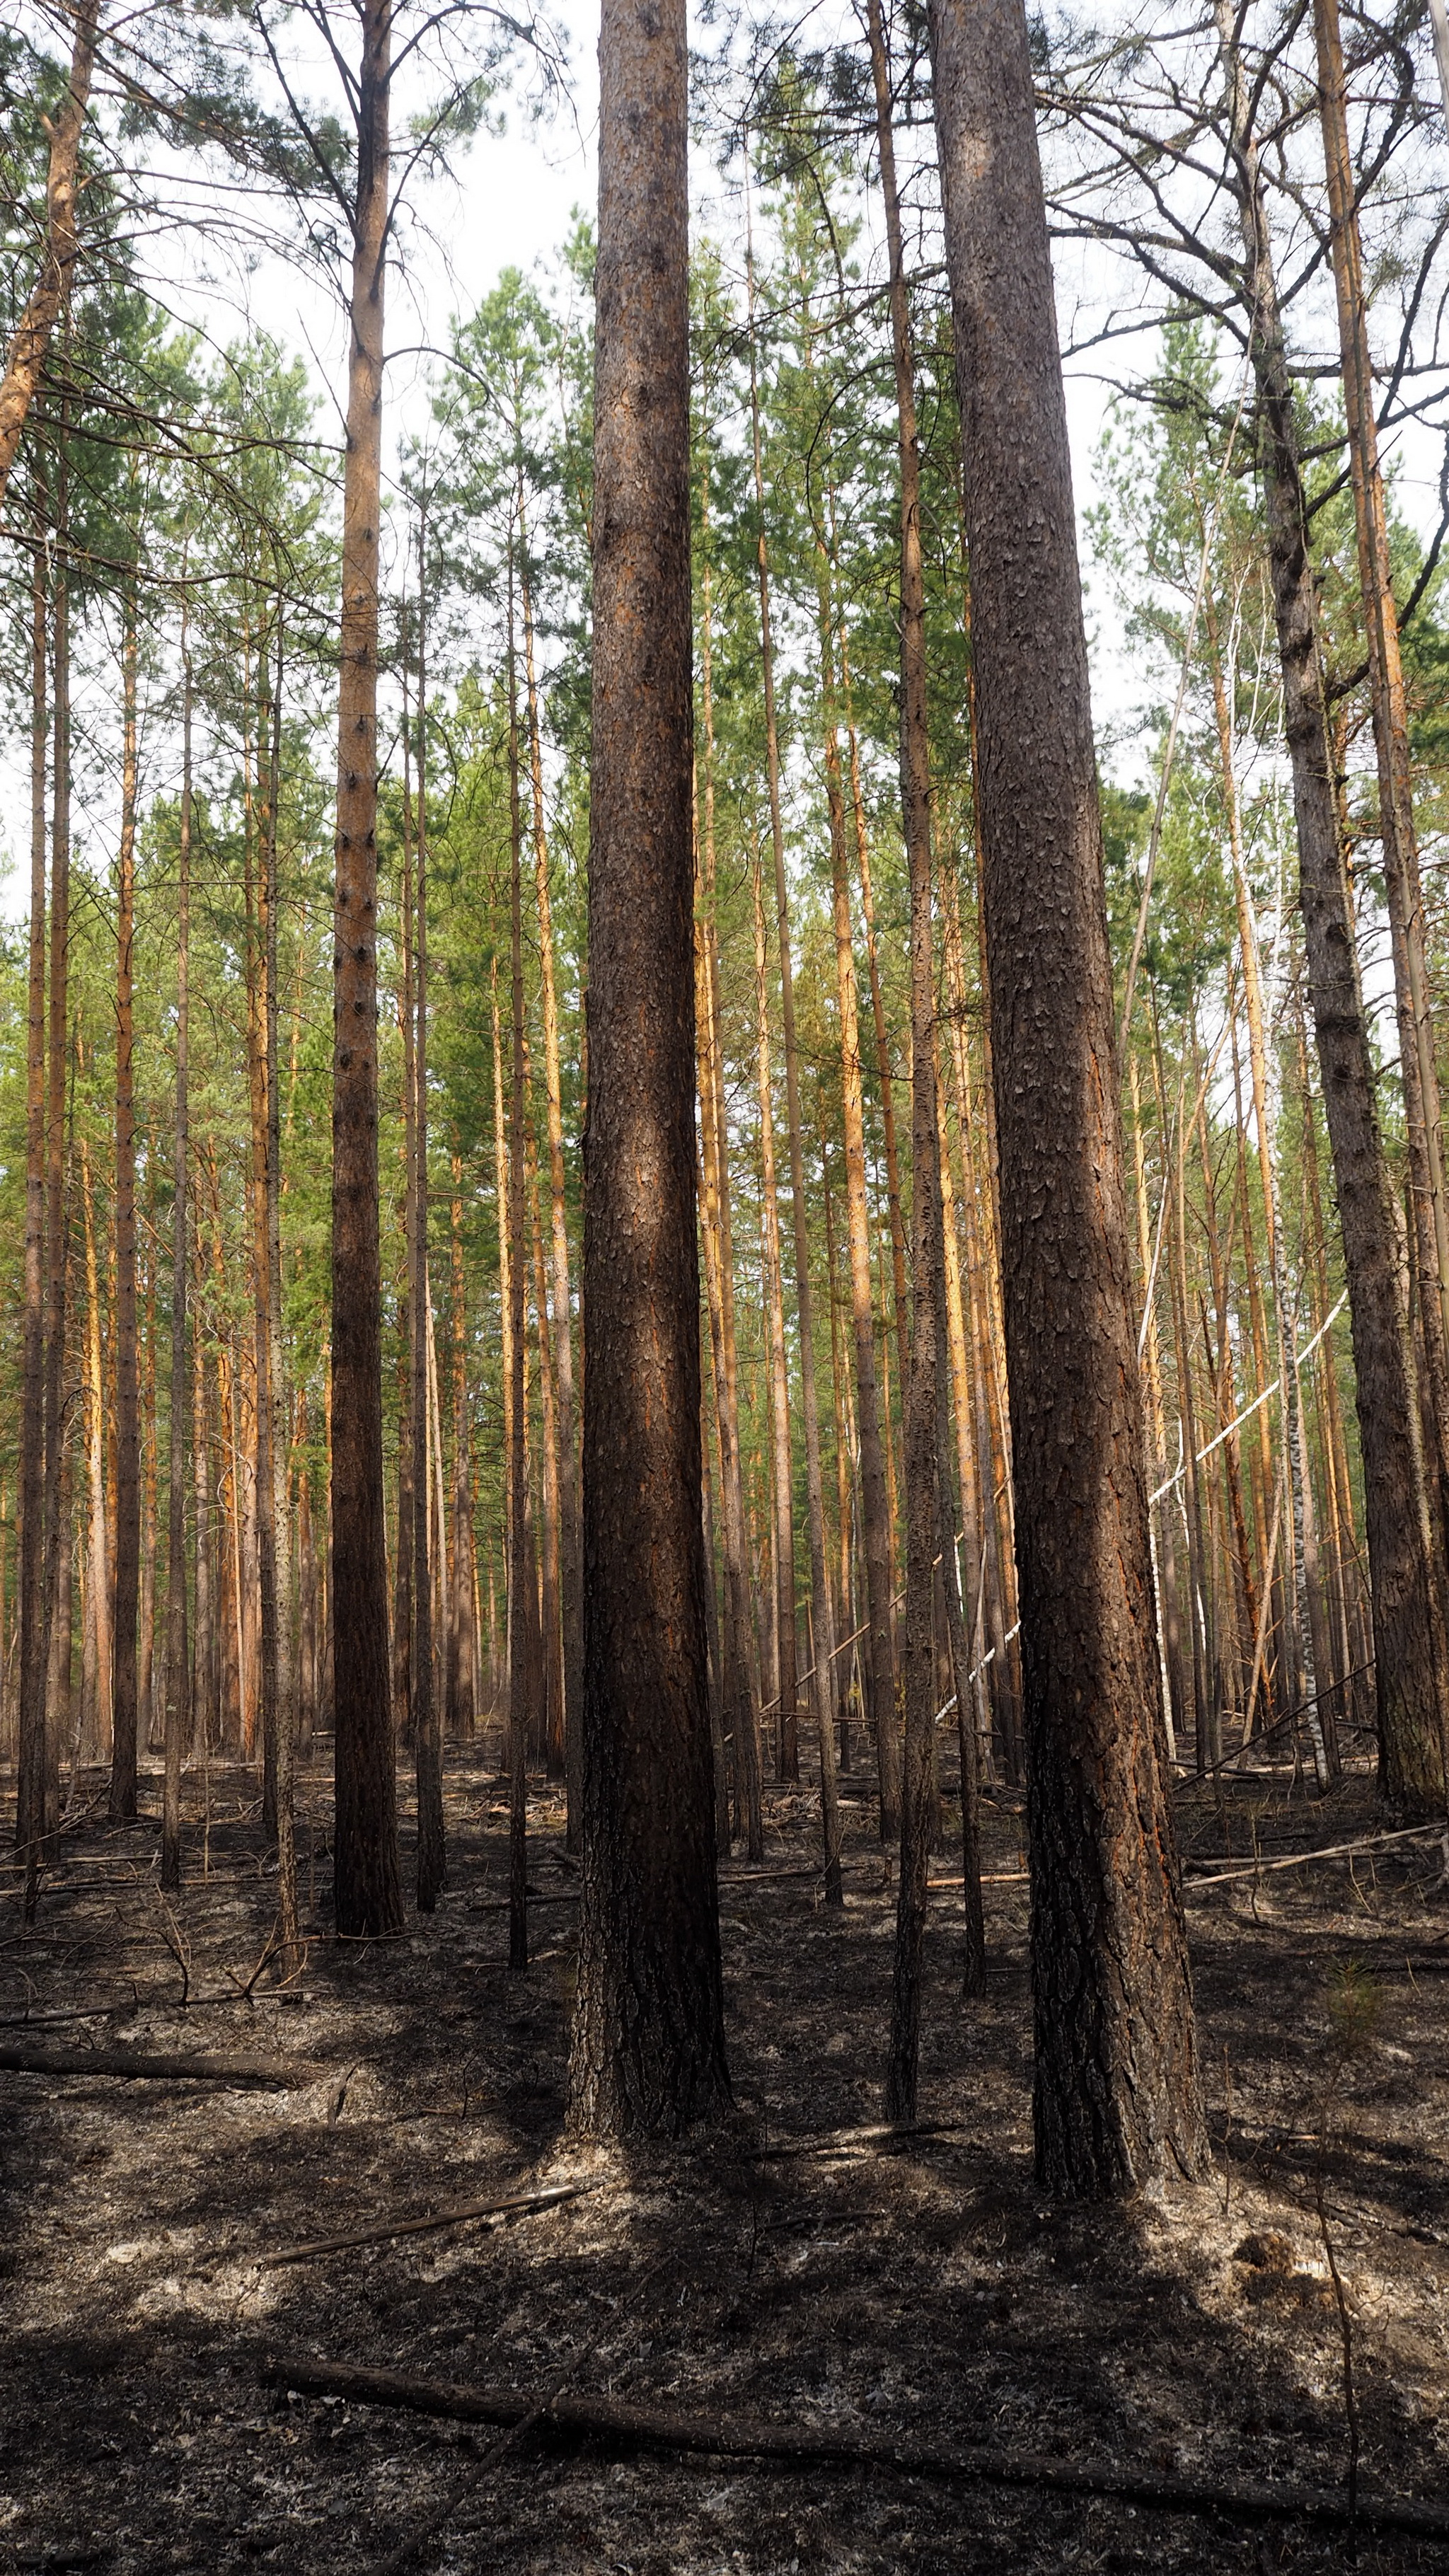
x=257, y=2074
x=646, y=2428
x=515, y=2204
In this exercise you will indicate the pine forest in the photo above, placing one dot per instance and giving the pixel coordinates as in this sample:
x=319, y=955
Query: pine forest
x=724, y=1287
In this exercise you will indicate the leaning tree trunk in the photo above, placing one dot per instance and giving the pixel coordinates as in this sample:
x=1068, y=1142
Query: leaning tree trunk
x=1409, y=1646
x=25, y=359
x=369, y=1895
x=1117, y=2093
x=648, y=2040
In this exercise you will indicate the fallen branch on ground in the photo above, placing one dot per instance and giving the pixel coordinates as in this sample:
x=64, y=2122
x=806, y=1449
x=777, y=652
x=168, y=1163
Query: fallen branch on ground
x=838, y=2142
x=599, y=2419
x=516, y=2204
x=263, y=2074
x=1327, y=1851
x=142, y=2004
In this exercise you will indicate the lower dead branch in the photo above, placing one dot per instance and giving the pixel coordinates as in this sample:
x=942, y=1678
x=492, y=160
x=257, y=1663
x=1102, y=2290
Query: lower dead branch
x=263, y=2074
x=571, y=2420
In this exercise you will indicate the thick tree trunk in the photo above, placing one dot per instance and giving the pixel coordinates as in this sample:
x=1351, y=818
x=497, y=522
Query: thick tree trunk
x=1409, y=1645
x=648, y=2041
x=1116, y=2094
x=25, y=358
x=128, y=1421
x=369, y=1896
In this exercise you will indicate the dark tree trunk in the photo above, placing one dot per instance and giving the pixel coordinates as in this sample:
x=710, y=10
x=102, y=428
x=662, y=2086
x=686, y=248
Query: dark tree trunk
x=57, y=1537
x=523, y=1671
x=1409, y=1647
x=128, y=1420
x=369, y=1895
x=1117, y=2094
x=648, y=2040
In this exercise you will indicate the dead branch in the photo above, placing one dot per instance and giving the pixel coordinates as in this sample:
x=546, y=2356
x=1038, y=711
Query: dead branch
x=274, y=2074
x=515, y=2204
x=633, y=2428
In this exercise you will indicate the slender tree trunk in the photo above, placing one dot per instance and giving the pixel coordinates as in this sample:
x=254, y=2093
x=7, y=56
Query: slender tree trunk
x=34, y=1641
x=921, y=1389
x=432, y=1868
x=57, y=1538
x=254, y=864
x=782, y=1476
x=563, y=1344
x=178, y=1669
x=648, y=2044
x=740, y=1717
x=1116, y=2092
x=369, y=1896
x=462, y=1702
x=30, y=340
x=787, y=1721
x=128, y=1426
x=1409, y=1645
x=270, y=1362
x=97, y=1704
x=522, y=1616
x=1391, y=742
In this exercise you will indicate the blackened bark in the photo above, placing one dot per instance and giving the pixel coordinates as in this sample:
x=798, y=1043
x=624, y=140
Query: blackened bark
x=1116, y=2093
x=369, y=1896
x=648, y=2041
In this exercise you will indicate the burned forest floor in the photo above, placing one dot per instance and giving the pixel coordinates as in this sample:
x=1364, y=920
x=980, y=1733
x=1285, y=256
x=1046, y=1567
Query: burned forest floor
x=800, y=2268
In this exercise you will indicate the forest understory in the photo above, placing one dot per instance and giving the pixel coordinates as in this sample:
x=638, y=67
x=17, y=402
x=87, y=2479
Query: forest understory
x=877, y=2288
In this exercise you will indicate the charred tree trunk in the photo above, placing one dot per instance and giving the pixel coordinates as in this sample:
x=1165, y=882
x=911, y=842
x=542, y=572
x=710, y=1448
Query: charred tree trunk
x=1116, y=2093
x=432, y=1875
x=648, y=2042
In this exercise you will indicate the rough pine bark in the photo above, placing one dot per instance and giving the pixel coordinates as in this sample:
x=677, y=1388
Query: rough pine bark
x=648, y=2040
x=369, y=1896
x=1116, y=2090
